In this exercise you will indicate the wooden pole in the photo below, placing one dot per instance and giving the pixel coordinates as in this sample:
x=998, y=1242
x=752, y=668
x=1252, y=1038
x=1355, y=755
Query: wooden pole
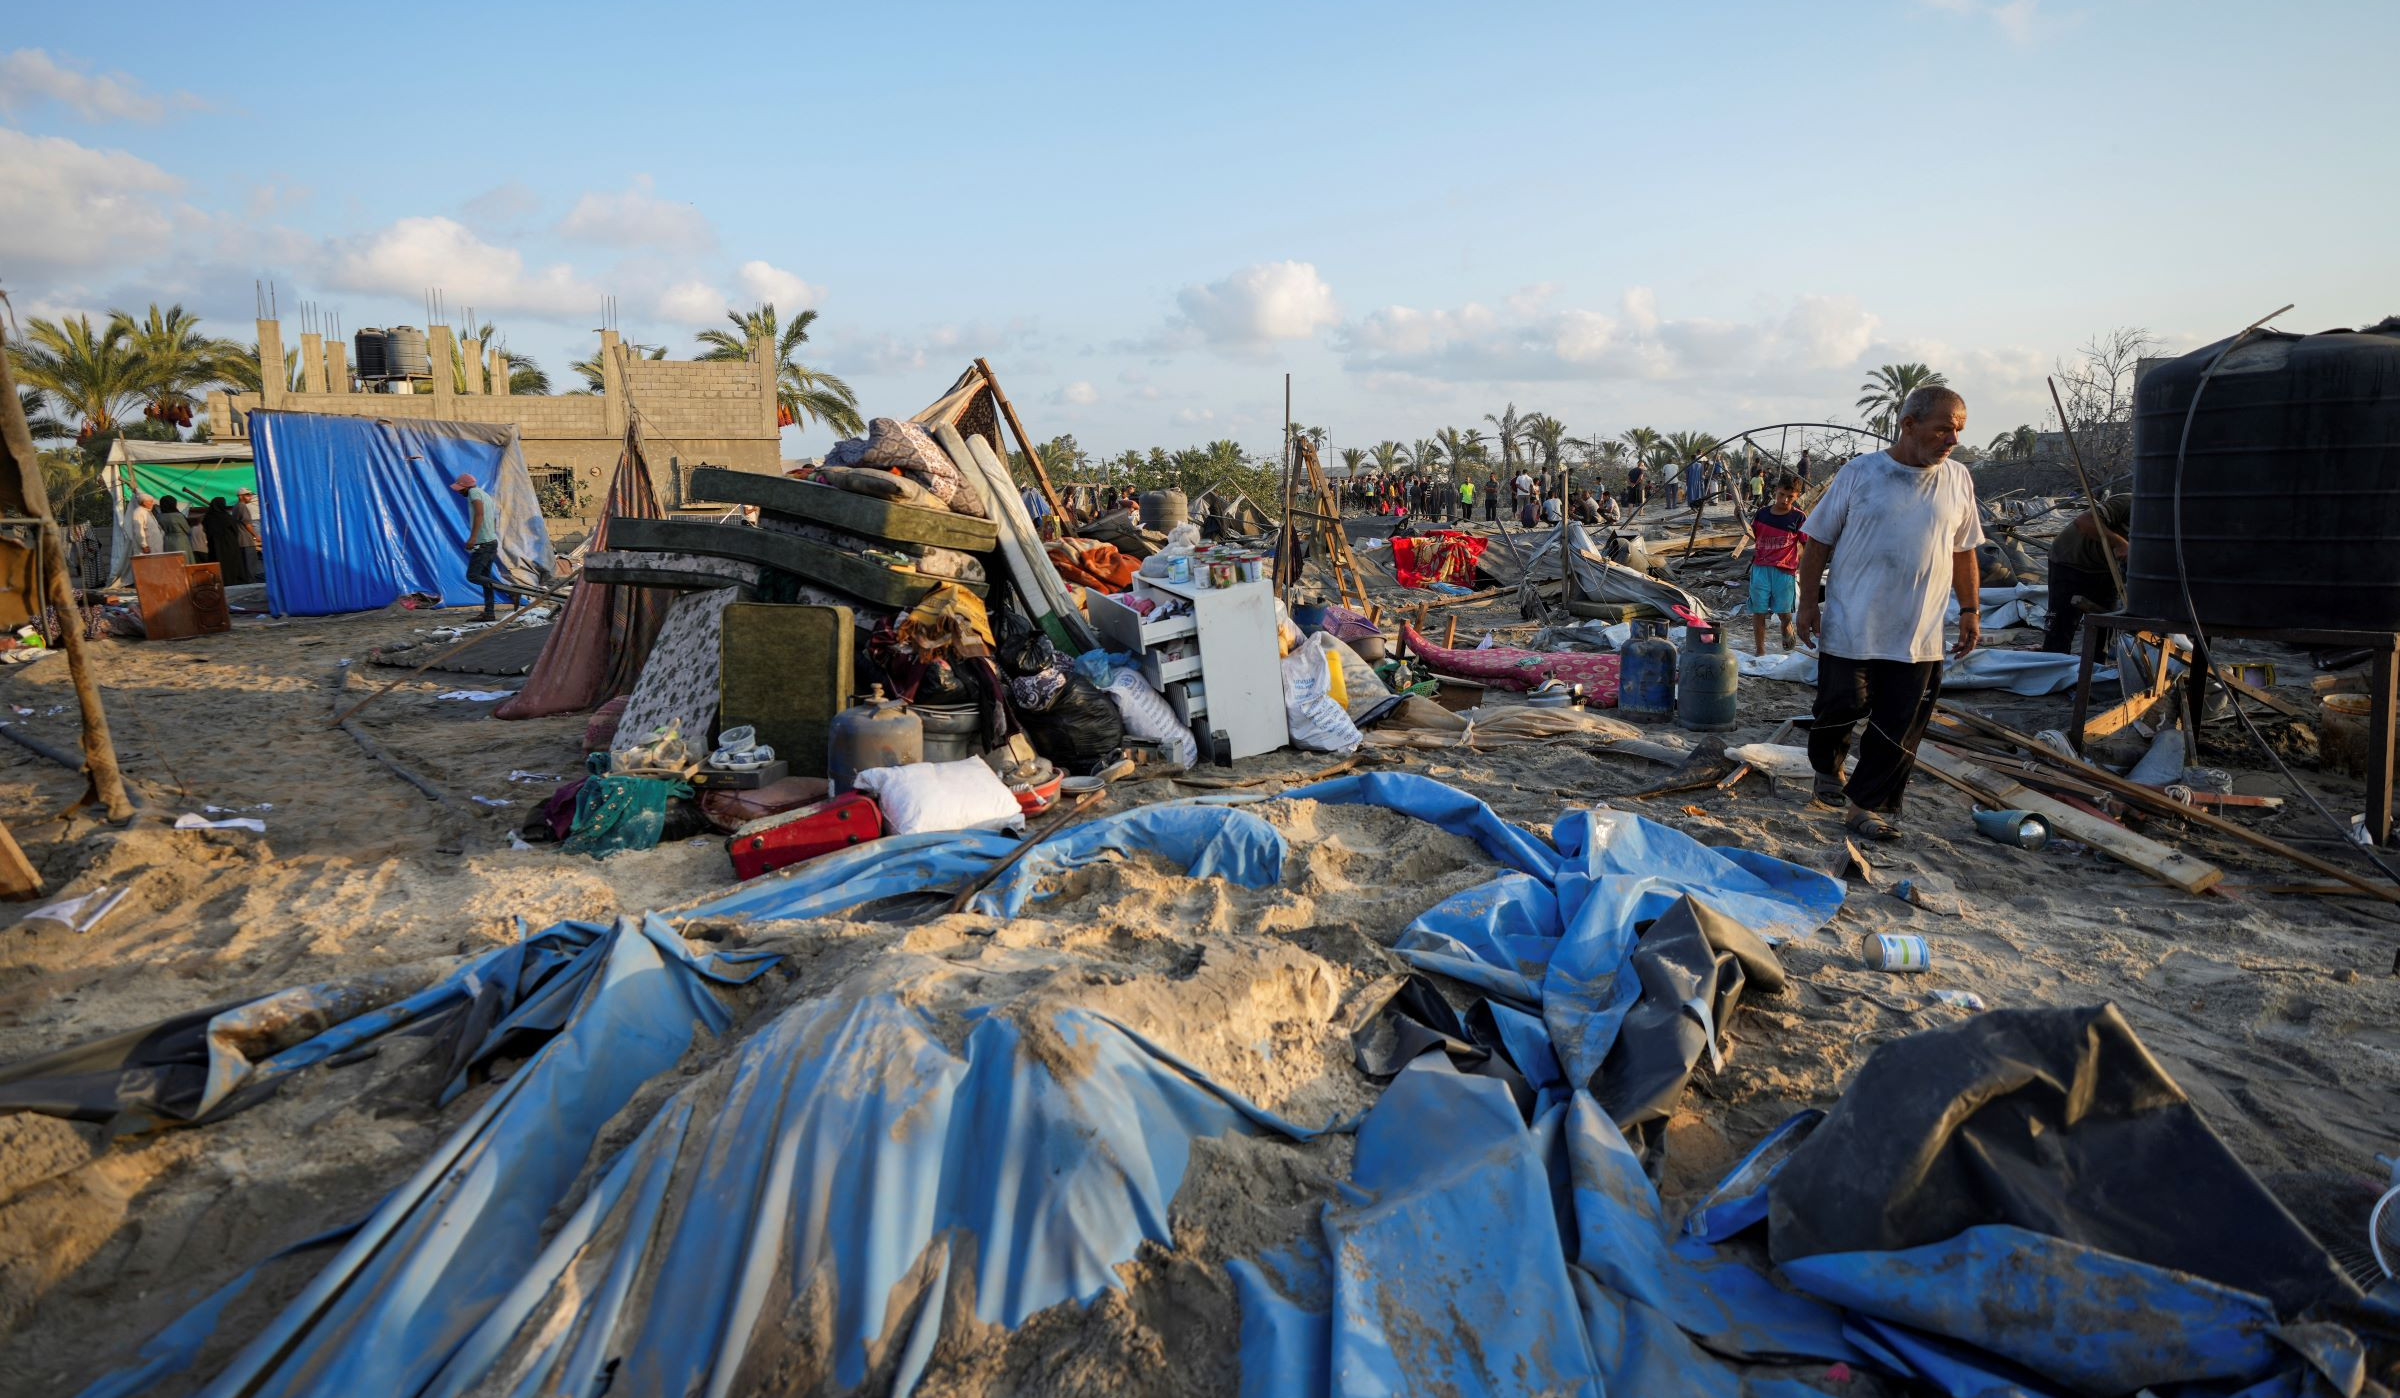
x=99, y=753
x=2090, y=501
x=1033, y=459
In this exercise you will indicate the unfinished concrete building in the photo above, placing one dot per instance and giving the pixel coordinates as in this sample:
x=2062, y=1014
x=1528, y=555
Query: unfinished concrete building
x=692, y=412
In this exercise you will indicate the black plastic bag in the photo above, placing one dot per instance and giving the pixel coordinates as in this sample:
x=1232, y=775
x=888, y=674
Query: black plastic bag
x=1080, y=730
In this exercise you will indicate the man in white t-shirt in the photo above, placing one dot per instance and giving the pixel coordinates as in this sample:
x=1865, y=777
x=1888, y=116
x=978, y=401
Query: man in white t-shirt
x=1894, y=533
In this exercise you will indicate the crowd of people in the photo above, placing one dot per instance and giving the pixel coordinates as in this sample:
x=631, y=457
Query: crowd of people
x=220, y=533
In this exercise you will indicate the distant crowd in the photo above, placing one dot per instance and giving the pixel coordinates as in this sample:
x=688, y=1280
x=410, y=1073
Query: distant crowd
x=1533, y=498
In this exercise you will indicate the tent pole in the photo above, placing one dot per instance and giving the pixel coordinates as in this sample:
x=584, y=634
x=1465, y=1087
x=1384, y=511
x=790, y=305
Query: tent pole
x=1033, y=458
x=99, y=753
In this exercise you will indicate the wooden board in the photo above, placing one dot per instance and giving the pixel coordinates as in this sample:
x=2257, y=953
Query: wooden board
x=164, y=587
x=206, y=587
x=17, y=876
x=816, y=503
x=805, y=559
x=2005, y=793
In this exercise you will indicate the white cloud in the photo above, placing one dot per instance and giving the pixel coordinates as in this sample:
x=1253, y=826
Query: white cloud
x=28, y=76
x=415, y=253
x=636, y=218
x=768, y=283
x=68, y=206
x=1531, y=340
x=1257, y=306
x=691, y=300
x=1193, y=417
x=1079, y=394
x=942, y=347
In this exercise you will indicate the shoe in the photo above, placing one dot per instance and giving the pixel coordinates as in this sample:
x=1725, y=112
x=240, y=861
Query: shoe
x=488, y=615
x=1828, y=792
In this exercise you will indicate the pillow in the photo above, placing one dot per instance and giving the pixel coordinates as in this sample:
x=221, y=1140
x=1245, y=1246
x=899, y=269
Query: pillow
x=883, y=485
x=923, y=796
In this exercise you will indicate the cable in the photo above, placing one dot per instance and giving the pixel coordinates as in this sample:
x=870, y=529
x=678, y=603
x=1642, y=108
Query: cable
x=2183, y=582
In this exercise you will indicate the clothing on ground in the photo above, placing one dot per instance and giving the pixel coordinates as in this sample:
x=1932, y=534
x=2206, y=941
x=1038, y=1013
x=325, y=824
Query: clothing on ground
x=1893, y=529
x=1896, y=699
x=1773, y=592
x=1778, y=534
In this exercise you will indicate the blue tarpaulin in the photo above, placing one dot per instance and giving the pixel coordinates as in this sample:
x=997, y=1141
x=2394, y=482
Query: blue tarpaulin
x=813, y=1210
x=359, y=511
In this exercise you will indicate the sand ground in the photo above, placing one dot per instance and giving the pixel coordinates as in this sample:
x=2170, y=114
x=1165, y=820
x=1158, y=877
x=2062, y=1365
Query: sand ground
x=2277, y=1014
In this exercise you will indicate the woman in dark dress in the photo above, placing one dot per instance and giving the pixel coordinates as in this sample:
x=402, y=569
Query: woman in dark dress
x=175, y=527
x=224, y=533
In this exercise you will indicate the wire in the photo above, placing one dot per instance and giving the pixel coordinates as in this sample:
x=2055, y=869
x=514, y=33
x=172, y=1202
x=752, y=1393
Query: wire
x=2183, y=582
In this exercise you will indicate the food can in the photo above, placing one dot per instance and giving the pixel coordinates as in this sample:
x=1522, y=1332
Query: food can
x=1896, y=951
x=1221, y=573
x=1179, y=568
x=1253, y=566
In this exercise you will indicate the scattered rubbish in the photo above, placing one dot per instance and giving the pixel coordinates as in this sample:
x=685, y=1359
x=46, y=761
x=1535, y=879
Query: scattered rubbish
x=476, y=696
x=80, y=913
x=21, y=709
x=521, y=775
x=1959, y=999
x=1858, y=867
x=517, y=842
x=490, y=801
x=188, y=821
x=1896, y=951
x=237, y=810
x=1924, y=893
x=2023, y=829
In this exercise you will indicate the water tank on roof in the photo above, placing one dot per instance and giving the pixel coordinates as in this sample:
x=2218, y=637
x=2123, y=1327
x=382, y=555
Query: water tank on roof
x=2289, y=489
x=367, y=346
x=405, y=355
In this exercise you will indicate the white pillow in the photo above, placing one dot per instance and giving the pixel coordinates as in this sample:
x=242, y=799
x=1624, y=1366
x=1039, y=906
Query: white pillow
x=961, y=795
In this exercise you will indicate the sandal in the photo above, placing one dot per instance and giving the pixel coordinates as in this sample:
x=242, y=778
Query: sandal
x=1871, y=825
x=1829, y=791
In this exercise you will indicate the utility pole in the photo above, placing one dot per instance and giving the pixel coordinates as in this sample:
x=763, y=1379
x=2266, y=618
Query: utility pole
x=16, y=442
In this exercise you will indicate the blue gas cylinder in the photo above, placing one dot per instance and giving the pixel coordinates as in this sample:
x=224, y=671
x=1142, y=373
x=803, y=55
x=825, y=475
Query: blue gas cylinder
x=1704, y=697
x=1646, y=674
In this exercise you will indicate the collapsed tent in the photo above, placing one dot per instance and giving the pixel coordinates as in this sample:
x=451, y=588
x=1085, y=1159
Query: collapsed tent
x=855, y=1182
x=604, y=633
x=358, y=512
x=1598, y=578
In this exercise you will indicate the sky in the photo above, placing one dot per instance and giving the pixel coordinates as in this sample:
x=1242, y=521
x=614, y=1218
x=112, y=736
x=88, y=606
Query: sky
x=1705, y=216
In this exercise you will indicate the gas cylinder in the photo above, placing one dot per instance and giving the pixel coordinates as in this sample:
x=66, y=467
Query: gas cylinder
x=876, y=732
x=1704, y=696
x=1646, y=675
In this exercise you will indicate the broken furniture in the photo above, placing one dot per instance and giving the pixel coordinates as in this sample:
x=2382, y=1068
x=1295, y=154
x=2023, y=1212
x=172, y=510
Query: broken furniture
x=786, y=671
x=1217, y=665
x=814, y=503
x=806, y=559
x=179, y=598
x=2384, y=646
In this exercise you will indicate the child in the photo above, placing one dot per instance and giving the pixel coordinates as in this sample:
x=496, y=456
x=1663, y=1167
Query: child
x=1775, y=563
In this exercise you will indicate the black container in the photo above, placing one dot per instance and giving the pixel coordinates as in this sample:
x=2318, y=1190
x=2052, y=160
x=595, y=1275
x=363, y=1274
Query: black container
x=2290, y=484
x=367, y=346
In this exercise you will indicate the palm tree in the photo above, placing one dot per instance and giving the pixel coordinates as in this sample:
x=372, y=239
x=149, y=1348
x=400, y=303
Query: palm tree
x=1353, y=458
x=1643, y=442
x=177, y=361
x=1460, y=447
x=39, y=420
x=595, y=380
x=90, y=372
x=1887, y=388
x=524, y=376
x=801, y=393
x=1388, y=456
x=241, y=370
x=1547, y=433
x=1511, y=427
x=1687, y=445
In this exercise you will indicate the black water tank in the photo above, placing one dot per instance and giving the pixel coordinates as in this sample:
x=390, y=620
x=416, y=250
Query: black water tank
x=2290, y=489
x=368, y=345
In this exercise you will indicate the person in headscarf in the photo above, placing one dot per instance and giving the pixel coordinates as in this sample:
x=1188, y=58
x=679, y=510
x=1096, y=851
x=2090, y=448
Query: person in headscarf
x=174, y=528
x=224, y=533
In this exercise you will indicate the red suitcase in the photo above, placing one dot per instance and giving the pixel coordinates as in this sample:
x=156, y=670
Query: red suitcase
x=771, y=842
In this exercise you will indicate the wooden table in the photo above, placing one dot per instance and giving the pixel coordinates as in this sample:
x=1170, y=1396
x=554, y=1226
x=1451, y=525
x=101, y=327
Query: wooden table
x=2380, y=687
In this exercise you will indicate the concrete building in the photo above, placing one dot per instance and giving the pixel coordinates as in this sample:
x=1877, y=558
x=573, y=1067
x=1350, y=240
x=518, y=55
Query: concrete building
x=692, y=412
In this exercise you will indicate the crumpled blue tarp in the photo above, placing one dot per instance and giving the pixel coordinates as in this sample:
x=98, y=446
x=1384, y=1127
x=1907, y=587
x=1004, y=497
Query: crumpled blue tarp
x=358, y=511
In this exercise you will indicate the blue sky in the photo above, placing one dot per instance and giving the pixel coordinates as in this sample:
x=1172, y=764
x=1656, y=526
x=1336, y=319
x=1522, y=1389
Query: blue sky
x=1700, y=216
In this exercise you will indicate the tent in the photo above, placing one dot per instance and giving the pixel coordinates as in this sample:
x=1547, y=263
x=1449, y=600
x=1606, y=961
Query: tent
x=356, y=512
x=604, y=633
x=194, y=473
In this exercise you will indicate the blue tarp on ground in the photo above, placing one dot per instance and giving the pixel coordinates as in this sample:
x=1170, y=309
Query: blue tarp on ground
x=358, y=511
x=808, y=1212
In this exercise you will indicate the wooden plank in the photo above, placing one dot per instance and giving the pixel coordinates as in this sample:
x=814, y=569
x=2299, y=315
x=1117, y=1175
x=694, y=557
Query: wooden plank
x=2139, y=851
x=2269, y=698
x=17, y=877
x=1033, y=458
x=164, y=590
x=2118, y=716
x=2159, y=803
